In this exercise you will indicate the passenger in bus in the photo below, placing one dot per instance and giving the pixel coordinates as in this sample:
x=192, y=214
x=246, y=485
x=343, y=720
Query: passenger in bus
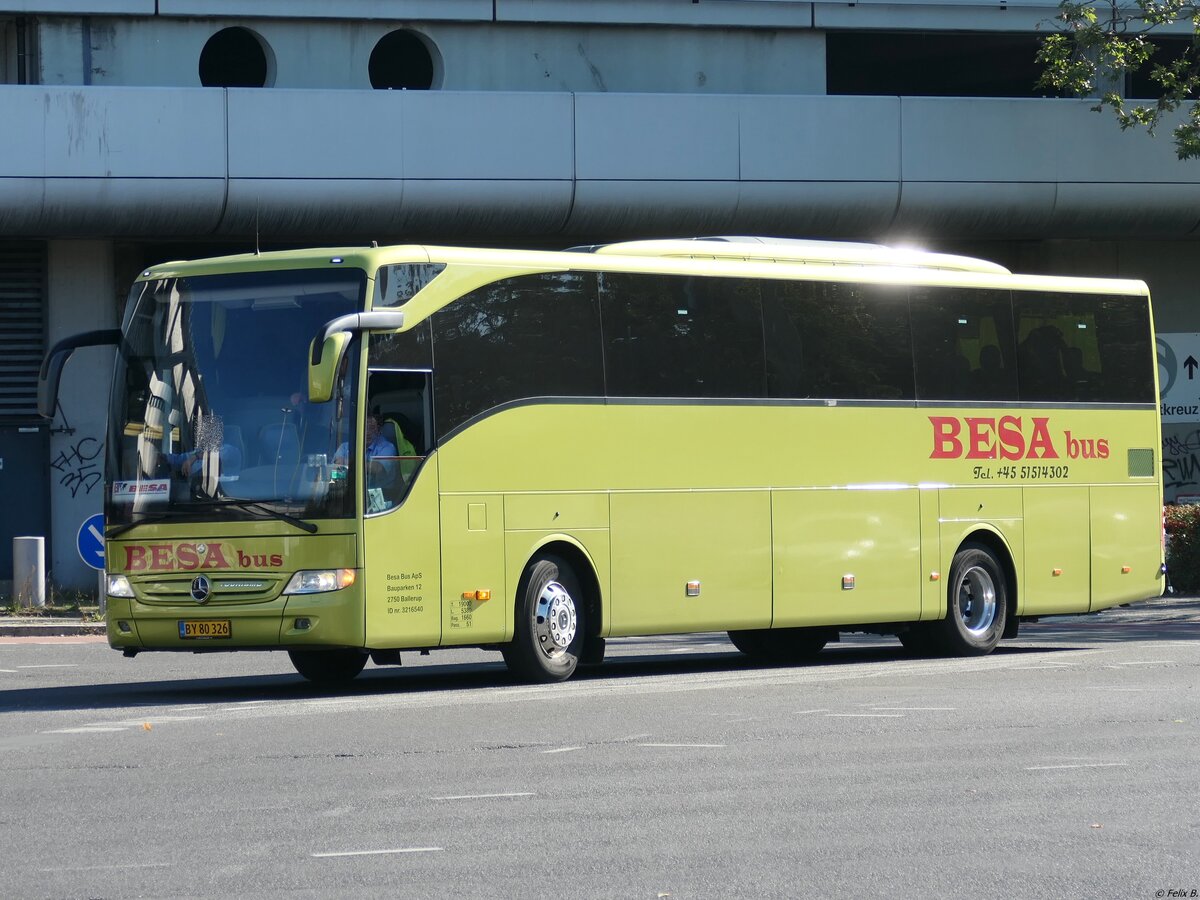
x=1041, y=363
x=379, y=453
x=1073, y=364
x=991, y=377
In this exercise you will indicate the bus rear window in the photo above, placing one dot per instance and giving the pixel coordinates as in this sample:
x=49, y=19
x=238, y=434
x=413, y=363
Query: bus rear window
x=1083, y=348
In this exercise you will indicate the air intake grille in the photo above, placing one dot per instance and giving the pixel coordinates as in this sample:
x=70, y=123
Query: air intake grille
x=1141, y=463
x=22, y=327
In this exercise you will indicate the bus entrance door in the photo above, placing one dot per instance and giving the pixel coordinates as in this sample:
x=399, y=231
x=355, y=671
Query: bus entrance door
x=402, y=568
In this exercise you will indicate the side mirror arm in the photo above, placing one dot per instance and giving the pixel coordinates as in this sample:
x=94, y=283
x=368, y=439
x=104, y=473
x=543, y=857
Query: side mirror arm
x=52, y=364
x=376, y=320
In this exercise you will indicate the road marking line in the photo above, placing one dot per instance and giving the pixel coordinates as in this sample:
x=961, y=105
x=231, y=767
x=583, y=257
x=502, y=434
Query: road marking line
x=10, y=671
x=1052, y=666
x=1149, y=662
x=806, y=712
x=682, y=650
x=101, y=868
x=1077, y=766
x=87, y=729
x=51, y=666
x=562, y=750
x=377, y=852
x=864, y=716
x=700, y=746
x=485, y=796
x=917, y=708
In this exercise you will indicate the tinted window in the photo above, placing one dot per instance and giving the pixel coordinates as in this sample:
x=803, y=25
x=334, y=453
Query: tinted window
x=675, y=336
x=924, y=64
x=1083, y=348
x=412, y=349
x=845, y=341
x=963, y=344
x=532, y=336
x=396, y=285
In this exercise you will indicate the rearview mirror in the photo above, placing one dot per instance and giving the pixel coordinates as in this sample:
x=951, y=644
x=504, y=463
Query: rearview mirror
x=329, y=346
x=323, y=373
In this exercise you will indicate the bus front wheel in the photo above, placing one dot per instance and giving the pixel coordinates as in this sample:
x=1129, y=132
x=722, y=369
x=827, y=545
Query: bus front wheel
x=328, y=666
x=548, y=633
x=977, y=603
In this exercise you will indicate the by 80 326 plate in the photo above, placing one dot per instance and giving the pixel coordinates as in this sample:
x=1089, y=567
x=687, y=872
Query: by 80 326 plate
x=205, y=629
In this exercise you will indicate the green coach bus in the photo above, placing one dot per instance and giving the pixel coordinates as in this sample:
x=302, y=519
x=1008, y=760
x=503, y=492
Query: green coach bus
x=346, y=453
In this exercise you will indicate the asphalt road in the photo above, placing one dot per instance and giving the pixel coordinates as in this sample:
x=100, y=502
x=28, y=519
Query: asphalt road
x=1064, y=765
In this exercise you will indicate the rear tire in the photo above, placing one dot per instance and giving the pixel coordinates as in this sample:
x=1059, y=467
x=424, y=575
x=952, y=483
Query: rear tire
x=548, y=633
x=976, y=603
x=328, y=666
x=781, y=644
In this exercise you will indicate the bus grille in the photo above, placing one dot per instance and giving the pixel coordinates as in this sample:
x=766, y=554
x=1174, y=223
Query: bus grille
x=176, y=591
x=1141, y=463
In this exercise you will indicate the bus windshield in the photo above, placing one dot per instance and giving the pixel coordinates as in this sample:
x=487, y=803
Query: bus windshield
x=210, y=406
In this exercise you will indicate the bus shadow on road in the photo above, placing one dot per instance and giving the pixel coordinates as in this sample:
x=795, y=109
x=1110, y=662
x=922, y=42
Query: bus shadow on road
x=162, y=695
x=684, y=654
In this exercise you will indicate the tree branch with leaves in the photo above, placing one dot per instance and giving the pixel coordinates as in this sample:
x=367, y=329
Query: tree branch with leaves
x=1096, y=47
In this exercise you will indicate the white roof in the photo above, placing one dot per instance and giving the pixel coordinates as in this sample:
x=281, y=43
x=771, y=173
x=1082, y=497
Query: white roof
x=793, y=250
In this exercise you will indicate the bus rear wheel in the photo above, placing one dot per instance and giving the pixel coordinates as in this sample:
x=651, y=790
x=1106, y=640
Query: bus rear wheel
x=548, y=633
x=328, y=666
x=977, y=603
x=781, y=644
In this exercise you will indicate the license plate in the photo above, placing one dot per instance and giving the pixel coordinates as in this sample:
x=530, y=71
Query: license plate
x=205, y=628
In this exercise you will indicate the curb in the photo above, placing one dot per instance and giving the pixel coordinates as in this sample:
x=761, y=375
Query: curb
x=17, y=627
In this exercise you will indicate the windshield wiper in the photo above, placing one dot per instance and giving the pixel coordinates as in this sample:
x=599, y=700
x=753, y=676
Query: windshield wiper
x=116, y=530
x=261, y=507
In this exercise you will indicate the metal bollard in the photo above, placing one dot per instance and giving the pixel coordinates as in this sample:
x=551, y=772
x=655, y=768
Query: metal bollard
x=29, y=571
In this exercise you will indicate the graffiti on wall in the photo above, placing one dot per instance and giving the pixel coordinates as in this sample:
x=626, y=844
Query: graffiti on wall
x=1181, y=461
x=79, y=466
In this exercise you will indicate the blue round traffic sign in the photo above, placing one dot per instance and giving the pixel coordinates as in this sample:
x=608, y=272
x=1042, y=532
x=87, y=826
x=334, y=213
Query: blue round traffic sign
x=90, y=541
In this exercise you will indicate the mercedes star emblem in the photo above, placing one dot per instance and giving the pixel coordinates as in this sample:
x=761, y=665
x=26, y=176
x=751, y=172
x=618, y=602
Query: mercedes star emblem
x=201, y=589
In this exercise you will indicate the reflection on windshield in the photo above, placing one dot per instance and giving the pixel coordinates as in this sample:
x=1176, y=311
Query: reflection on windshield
x=210, y=397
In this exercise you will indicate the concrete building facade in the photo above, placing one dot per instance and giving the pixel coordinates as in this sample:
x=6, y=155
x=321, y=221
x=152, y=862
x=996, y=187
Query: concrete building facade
x=141, y=130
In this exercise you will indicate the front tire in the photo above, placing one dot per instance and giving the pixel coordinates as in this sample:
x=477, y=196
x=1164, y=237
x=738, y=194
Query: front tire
x=977, y=603
x=328, y=667
x=548, y=633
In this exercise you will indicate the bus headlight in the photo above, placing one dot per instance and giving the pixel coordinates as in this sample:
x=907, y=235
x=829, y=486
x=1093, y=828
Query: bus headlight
x=118, y=586
x=318, y=581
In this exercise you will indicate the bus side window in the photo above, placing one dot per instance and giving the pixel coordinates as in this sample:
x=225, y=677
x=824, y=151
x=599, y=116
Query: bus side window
x=963, y=344
x=837, y=340
x=400, y=400
x=1084, y=348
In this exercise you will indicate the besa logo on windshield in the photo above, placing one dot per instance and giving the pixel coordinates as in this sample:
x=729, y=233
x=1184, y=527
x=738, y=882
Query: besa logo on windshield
x=1006, y=438
x=188, y=557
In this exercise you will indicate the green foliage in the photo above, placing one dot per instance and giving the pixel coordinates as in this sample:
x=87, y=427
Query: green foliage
x=1183, y=547
x=1091, y=53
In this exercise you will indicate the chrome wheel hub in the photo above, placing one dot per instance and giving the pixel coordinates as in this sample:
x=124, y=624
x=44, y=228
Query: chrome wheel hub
x=977, y=601
x=556, y=619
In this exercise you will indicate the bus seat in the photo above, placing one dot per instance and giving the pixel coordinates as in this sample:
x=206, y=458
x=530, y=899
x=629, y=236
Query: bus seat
x=233, y=452
x=279, y=443
x=411, y=431
x=394, y=433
